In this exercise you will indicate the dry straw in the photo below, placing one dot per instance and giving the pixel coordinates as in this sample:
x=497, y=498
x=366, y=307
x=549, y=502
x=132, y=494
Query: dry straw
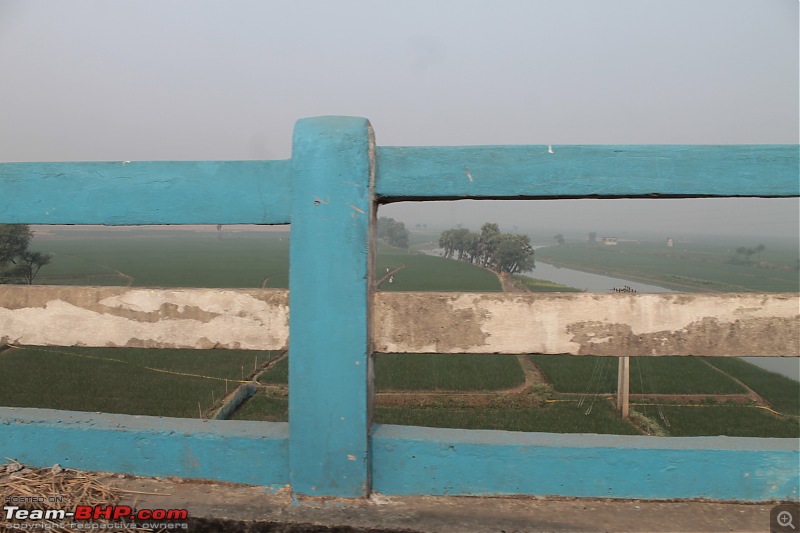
x=56, y=488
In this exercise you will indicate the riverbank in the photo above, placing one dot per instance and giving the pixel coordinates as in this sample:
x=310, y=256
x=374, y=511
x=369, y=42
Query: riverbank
x=684, y=267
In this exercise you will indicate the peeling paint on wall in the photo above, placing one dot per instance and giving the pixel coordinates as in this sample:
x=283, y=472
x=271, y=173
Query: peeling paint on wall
x=589, y=324
x=256, y=319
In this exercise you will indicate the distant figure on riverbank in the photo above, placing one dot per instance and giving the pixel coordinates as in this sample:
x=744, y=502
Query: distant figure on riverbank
x=625, y=288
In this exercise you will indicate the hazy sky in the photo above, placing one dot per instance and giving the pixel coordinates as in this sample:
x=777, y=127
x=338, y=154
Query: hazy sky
x=165, y=79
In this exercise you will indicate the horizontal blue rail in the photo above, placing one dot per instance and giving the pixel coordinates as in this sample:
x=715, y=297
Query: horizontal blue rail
x=258, y=192
x=256, y=453
x=412, y=460
x=419, y=173
x=146, y=192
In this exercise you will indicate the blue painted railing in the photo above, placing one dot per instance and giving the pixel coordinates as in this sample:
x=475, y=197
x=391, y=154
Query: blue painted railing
x=329, y=191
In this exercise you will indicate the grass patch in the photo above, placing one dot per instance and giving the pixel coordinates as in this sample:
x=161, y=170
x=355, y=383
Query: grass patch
x=463, y=372
x=541, y=285
x=278, y=374
x=561, y=417
x=169, y=259
x=430, y=273
x=428, y=372
x=733, y=421
x=782, y=393
x=263, y=407
x=115, y=380
x=659, y=375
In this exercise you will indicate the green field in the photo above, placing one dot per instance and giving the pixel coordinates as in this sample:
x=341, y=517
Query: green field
x=166, y=258
x=782, y=393
x=264, y=407
x=734, y=421
x=123, y=380
x=648, y=375
x=461, y=372
x=565, y=417
x=169, y=259
x=428, y=273
x=431, y=372
x=245, y=259
x=691, y=266
x=278, y=374
x=541, y=285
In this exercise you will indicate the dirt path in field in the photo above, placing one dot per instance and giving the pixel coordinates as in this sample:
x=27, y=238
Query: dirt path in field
x=508, y=284
x=124, y=276
x=388, y=275
x=751, y=394
x=520, y=395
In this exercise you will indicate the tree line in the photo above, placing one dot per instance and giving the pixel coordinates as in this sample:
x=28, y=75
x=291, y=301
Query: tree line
x=743, y=254
x=501, y=252
x=17, y=263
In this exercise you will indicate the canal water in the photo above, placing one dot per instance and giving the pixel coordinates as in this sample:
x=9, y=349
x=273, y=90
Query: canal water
x=587, y=281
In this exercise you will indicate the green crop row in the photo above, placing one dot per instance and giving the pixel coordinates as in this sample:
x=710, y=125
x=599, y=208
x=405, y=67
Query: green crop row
x=123, y=380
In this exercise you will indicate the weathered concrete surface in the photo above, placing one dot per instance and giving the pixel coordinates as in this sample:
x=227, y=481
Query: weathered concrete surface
x=589, y=324
x=580, y=324
x=145, y=318
x=444, y=514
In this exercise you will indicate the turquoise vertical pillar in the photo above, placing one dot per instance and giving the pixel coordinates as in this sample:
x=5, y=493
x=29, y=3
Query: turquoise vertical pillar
x=329, y=295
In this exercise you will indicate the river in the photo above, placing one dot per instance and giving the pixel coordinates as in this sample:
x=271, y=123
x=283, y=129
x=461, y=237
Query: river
x=587, y=281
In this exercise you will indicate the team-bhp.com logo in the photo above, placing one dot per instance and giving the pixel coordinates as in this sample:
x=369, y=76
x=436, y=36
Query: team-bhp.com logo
x=86, y=517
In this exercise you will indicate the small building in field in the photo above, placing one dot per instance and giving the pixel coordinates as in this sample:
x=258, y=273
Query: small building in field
x=610, y=241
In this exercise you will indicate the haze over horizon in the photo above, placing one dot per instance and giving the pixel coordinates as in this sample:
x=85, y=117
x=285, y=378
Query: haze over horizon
x=170, y=80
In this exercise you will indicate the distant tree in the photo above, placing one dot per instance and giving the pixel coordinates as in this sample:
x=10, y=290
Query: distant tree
x=14, y=240
x=760, y=248
x=490, y=235
x=501, y=252
x=447, y=243
x=743, y=255
x=27, y=266
x=738, y=256
x=513, y=253
x=17, y=263
x=559, y=239
x=593, y=238
x=393, y=232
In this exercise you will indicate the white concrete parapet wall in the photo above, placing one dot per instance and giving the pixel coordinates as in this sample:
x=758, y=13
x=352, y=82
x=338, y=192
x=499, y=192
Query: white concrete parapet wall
x=568, y=323
x=589, y=324
x=255, y=319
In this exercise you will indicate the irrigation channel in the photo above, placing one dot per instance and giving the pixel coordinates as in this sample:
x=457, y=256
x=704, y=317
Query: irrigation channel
x=786, y=366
